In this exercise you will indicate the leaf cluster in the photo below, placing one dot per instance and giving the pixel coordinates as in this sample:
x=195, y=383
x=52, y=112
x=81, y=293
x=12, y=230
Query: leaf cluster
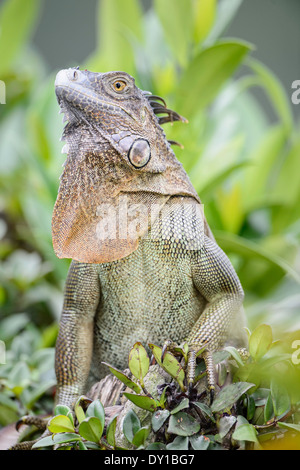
x=88, y=434
x=244, y=166
x=254, y=410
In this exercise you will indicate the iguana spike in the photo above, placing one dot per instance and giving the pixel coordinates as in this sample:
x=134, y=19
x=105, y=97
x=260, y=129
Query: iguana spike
x=174, y=142
x=159, y=106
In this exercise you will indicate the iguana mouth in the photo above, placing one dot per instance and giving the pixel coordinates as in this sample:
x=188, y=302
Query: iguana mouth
x=63, y=102
x=69, y=89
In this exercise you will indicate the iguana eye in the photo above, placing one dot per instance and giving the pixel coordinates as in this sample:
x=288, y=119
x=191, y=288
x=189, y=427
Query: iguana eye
x=119, y=85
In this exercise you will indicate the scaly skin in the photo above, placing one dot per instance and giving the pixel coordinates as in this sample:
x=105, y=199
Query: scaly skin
x=167, y=278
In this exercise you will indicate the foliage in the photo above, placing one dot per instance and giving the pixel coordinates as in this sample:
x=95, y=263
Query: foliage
x=255, y=411
x=27, y=379
x=244, y=166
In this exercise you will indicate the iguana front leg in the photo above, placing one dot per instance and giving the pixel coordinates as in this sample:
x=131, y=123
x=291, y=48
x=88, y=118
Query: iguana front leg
x=75, y=339
x=216, y=280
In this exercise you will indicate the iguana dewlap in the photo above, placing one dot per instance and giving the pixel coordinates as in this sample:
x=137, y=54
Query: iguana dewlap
x=145, y=264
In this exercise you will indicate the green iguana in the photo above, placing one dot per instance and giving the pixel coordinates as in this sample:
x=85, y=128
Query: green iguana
x=145, y=264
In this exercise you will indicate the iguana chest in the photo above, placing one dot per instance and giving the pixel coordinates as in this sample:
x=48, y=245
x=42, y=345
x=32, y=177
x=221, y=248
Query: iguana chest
x=148, y=296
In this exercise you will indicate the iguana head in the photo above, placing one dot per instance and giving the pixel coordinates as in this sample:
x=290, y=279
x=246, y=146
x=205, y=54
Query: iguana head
x=117, y=151
x=124, y=115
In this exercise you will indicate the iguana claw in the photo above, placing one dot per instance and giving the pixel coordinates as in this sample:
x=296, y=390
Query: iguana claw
x=40, y=423
x=166, y=347
x=191, y=366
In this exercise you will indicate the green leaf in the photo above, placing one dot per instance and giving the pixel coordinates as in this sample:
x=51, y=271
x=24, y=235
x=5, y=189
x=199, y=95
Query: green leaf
x=179, y=443
x=286, y=190
x=62, y=438
x=92, y=445
x=156, y=446
x=180, y=21
x=131, y=425
x=16, y=23
x=12, y=325
x=162, y=398
x=169, y=364
x=205, y=409
x=250, y=408
x=268, y=409
x=229, y=395
x=36, y=392
x=182, y=405
x=245, y=432
x=8, y=415
x=119, y=26
x=91, y=429
x=235, y=354
x=158, y=419
x=79, y=412
x=220, y=356
x=225, y=424
x=65, y=437
x=182, y=349
x=81, y=445
x=60, y=423
x=224, y=161
x=275, y=90
x=222, y=374
x=294, y=427
x=204, y=15
x=142, y=401
x=260, y=341
x=260, y=173
x=140, y=436
x=260, y=396
x=286, y=187
x=199, y=442
x=44, y=442
x=281, y=399
x=124, y=379
x=183, y=424
x=226, y=11
x=111, y=430
x=96, y=409
x=241, y=420
x=8, y=402
x=251, y=250
x=64, y=410
x=138, y=361
x=19, y=377
x=206, y=74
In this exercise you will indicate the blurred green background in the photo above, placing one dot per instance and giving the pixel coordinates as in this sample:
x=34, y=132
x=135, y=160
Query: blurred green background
x=227, y=66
